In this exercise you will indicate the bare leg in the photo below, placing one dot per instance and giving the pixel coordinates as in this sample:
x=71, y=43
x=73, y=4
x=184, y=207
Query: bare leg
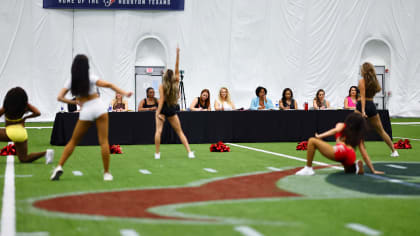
x=323, y=147
x=375, y=121
x=3, y=136
x=22, y=153
x=22, y=149
x=158, y=133
x=79, y=131
x=102, y=126
x=176, y=125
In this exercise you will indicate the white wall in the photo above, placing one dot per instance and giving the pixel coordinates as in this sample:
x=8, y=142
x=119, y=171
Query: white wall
x=302, y=44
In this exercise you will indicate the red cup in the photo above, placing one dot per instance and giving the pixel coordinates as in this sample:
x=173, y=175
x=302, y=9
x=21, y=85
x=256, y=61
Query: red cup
x=306, y=106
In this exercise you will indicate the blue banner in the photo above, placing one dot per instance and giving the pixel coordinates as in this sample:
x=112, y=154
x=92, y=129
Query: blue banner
x=171, y=5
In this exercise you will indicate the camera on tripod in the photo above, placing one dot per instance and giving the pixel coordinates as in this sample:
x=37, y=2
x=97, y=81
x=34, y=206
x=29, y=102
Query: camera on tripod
x=182, y=74
x=182, y=91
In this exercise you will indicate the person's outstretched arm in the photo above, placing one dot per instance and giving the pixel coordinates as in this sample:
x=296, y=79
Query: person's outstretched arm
x=177, y=65
x=106, y=84
x=366, y=159
x=338, y=128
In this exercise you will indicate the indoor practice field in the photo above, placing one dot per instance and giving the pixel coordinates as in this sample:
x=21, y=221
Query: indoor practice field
x=250, y=191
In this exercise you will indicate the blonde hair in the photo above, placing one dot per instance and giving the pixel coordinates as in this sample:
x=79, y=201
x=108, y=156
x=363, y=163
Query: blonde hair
x=371, y=82
x=170, y=87
x=228, y=100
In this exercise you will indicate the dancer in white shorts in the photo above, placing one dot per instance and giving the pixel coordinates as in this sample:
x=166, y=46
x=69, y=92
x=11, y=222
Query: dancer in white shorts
x=84, y=87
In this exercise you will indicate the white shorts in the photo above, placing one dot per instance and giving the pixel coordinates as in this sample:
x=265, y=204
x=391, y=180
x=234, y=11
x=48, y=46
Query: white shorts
x=92, y=110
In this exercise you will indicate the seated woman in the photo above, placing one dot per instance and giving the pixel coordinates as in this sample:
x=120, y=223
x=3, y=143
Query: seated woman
x=223, y=103
x=201, y=103
x=320, y=103
x=150, y=103
x=287, y=102
x=348, y=136
x=351, y=100
x=261, y=102
x=118, y=104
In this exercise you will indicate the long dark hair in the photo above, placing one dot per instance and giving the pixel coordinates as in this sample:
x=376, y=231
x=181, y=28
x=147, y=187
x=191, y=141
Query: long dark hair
x=356, y=127
x=371, y=82
x=357, y=91
x=318, y=102
x=170, y=87
x=80, y=76
x=283, y=99
x=15, y=103
x=207, y=102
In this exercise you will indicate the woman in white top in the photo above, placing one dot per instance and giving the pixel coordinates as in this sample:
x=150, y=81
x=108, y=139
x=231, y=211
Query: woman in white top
x=84, y=87
x=224, y=103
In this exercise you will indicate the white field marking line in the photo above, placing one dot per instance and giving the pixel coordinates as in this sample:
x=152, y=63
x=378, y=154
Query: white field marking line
x=363, y=229
x=32, y=234
x=19, y=176
x=145, y=172
x=8, y=213
x=325, y=164
x=274, y=168
x=286, y=156
x=415, y=139
x=77, y=173
x=40, y=127
x=210, y=170
x=397, y=166
x=247, y=231
x=405, y=123
x=128, y=232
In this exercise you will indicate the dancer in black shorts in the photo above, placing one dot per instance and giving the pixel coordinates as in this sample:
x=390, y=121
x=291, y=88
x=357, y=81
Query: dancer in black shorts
x=169, y=91
x=369, y=86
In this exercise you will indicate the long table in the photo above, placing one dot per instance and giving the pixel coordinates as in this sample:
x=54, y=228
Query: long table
x=209, y=127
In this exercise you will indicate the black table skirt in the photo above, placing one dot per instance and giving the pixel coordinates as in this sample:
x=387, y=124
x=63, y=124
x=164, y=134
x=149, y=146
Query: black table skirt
x=209, y=127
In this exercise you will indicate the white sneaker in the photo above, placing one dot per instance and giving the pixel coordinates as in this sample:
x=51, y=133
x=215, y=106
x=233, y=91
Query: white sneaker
x=108, y=176
x=395, y=154
x=157, y=155
x=359, y=168
x=49, y=156
x=306, y=171
x=58, y=171
x=191, y=155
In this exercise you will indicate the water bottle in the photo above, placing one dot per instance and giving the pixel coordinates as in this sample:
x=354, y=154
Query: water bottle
x=61, y=108
x=110, y=108
x=277, y=106
x=306, y=106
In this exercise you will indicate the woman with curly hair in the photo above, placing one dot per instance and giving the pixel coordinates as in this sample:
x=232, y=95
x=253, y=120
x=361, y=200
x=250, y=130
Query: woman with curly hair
x=15, y=106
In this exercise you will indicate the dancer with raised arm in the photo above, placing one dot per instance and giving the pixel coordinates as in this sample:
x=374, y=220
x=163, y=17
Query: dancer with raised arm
x=169, y=92
x=93, y=110
x=348, y=136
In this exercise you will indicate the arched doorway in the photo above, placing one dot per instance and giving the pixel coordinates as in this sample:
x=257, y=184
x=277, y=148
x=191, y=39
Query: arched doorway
x=378, y=52
x=151, y=60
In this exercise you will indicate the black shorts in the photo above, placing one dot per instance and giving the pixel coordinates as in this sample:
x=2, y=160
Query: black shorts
x=370, y=108
x=169, y=111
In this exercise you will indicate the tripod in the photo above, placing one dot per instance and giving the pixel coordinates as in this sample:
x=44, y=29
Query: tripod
x=182, y=92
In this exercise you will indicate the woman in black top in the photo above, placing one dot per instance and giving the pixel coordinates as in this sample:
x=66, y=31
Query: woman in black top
x=167, y=108
x=287, y=102
x=202, y=103
x=150, y=103
x=368, y=87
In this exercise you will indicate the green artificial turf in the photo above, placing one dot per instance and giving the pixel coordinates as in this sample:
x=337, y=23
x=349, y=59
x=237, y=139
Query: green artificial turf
x=329, y=200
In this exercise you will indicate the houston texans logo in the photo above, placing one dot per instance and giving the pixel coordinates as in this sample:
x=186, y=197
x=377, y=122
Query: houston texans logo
x=108, y=3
